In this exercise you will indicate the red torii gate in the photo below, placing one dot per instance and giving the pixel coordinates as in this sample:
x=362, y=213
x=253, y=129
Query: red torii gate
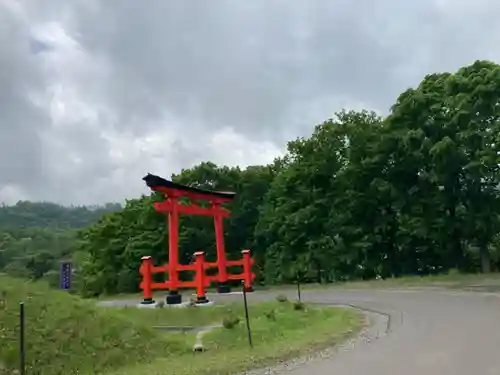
x=171, y=206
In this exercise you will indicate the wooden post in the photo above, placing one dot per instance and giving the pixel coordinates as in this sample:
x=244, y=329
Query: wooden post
x=201, y=296
x=247, y=270
x=247, y=319
x=147, y=280
x=173, y=297
x=173, y=245
x=22, y=349
x=223, y=286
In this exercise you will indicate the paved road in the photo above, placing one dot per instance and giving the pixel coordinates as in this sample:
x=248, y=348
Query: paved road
x=430, y=332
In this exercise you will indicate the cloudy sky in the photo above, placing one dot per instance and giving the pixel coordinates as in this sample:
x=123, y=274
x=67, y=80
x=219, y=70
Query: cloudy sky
x=96, y=93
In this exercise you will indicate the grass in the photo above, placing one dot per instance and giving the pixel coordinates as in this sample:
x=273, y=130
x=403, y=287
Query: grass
x=67, y=335
x=185, y=317
x=452, y=280
x=449, y=280
x=279, y=332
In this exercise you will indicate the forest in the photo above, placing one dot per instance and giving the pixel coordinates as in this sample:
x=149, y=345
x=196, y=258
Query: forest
x=365, y=196
x=35, y=236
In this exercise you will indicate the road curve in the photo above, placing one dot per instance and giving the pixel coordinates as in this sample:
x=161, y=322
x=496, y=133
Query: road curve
x=431, y=332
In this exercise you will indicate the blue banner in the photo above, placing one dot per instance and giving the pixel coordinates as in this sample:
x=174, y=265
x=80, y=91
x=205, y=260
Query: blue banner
x=65, y=276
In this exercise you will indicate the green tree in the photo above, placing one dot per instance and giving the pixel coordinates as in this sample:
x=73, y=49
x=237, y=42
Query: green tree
x=297, y=225
x=447, y=131
x=415, y=192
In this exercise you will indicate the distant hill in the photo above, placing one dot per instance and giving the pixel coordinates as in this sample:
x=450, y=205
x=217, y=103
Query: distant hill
x=25, y=214
x=35, y=236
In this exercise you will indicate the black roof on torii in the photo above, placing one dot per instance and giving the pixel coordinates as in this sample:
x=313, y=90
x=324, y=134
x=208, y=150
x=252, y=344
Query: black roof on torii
x=154, y=182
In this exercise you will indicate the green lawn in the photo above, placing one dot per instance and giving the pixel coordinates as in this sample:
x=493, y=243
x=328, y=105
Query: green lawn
x=67, y=335
x=279, y=332
x=187, y=317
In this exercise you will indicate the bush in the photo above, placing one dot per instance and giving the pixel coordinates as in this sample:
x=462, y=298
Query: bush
x=282, y=298
x=299, y=306
x=229, y=322
x=271, y=315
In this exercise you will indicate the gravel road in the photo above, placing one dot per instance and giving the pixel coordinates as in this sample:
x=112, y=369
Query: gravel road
x=429, y=332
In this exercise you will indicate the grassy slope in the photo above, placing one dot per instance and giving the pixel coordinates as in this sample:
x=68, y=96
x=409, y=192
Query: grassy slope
x=64, y=333
x=290, y=333
x=67, y=335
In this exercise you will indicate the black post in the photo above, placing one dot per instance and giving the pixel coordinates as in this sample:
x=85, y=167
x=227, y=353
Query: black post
x=298, y=290
x=246, y=316
x=21, y=340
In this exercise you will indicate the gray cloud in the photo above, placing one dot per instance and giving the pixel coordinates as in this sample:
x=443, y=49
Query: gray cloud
x=125, y=87
x=20, y=122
